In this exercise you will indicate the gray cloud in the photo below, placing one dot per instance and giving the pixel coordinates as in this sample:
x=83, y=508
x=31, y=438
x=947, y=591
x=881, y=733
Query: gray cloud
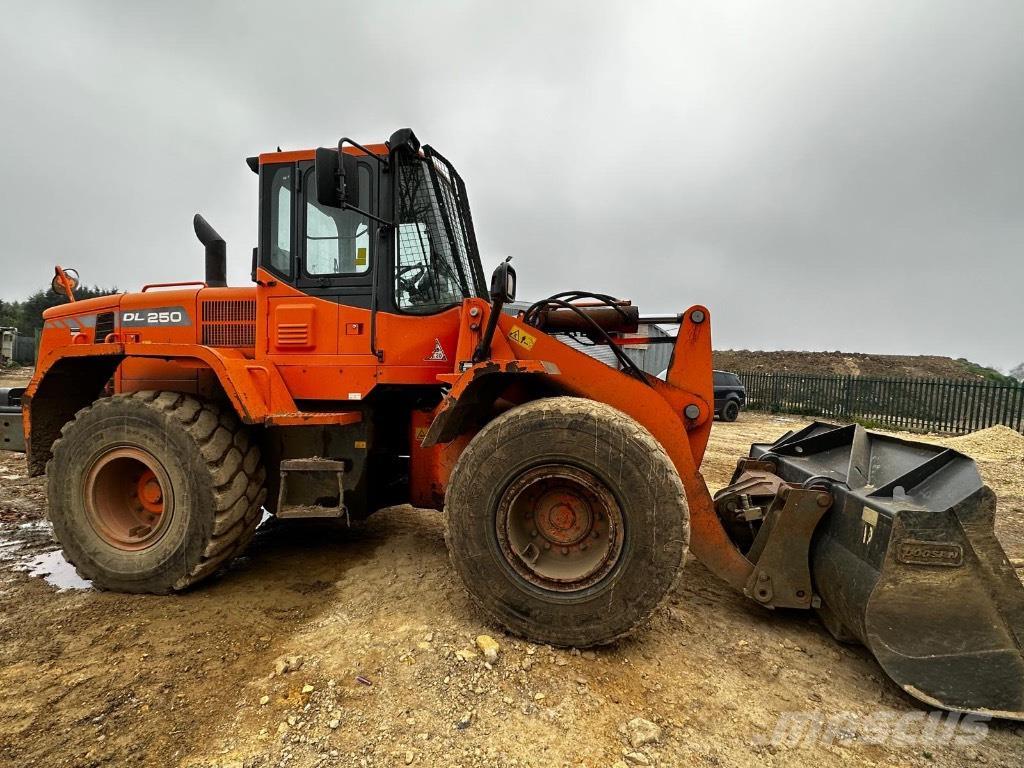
x=822, y=176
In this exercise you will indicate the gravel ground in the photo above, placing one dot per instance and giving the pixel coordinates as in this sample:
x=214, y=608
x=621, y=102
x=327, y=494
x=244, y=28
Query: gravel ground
x=14, y=376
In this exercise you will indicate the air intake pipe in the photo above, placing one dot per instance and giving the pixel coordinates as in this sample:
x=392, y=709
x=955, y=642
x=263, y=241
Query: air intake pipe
x=216, y=252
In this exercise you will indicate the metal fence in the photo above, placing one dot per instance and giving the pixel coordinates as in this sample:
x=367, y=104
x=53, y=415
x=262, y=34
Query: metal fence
x=24, y=350
x=933, y=405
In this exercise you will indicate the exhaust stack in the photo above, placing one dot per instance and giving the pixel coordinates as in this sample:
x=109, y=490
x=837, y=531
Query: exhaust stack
x=216, y=252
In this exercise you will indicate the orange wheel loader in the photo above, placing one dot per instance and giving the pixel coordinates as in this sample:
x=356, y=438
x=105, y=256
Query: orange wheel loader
x=371, y=363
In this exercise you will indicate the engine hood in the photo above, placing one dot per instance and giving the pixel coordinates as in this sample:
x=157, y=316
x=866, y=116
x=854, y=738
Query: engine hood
x=84, y=308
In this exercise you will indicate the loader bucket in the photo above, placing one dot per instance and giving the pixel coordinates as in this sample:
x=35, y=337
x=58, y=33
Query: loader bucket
x=907, y=562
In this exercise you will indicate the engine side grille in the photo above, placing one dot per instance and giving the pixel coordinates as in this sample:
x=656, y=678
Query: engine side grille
x=104, y=326
x=229, y=323
x=229, y=311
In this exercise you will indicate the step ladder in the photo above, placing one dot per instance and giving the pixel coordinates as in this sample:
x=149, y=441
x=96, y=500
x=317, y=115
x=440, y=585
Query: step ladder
x=312, y=487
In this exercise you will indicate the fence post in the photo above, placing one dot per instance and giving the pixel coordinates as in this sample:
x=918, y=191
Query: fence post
x=1017, y=414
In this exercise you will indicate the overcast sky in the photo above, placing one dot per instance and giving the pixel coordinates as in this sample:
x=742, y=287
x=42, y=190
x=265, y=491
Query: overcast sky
x=822, y=175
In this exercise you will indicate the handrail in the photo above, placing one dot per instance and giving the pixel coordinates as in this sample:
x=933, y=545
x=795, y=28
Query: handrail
x=173, y=285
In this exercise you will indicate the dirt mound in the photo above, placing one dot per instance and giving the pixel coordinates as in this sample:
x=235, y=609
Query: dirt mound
x=999, y=452
x=850, y=364
x=998, y=443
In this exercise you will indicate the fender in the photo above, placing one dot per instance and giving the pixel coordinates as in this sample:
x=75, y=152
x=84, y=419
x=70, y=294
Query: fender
x=62, y=385
x=474, y=392
x=71, y=377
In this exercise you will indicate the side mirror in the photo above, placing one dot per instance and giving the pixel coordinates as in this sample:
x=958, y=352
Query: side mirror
x=65, y=281
x=337, y=179
x=503, y=291
x=503, y=283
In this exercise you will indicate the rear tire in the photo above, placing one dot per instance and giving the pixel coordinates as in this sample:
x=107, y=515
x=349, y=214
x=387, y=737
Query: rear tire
x=594, y=486
x=153, y=491
x=730, y=411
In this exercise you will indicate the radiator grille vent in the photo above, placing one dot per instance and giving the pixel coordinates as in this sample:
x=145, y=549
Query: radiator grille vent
x=229, y=311
x=229, y=323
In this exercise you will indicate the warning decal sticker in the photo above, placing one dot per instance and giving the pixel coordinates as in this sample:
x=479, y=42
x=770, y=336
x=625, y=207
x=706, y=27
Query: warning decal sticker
x=522, y=338
x=438, y=355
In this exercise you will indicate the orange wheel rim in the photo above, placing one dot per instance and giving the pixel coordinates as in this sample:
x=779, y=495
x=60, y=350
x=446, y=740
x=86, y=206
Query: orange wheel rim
x=127, y=498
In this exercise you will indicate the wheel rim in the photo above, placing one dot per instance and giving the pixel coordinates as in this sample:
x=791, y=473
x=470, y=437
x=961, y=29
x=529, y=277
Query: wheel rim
x=560, y=528
x=128, y=499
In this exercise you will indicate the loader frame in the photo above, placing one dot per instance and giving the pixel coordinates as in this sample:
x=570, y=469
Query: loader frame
x=259, y=394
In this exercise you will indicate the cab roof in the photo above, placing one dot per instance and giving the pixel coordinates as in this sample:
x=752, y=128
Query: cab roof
x=296, y=155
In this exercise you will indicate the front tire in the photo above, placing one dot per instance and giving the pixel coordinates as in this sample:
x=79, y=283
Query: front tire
x=153, y=491
x=566, y=521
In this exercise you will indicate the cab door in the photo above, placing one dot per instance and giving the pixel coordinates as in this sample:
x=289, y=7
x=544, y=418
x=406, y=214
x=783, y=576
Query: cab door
x=318, y=317
x=337, y=257
x=297, y=325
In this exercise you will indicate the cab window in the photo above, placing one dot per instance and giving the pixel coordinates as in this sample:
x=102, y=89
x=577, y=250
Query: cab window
x=430, y=274
x=337, y=241
x=281, y=220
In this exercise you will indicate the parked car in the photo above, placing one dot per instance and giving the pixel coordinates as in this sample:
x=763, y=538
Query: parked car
x=730, y=395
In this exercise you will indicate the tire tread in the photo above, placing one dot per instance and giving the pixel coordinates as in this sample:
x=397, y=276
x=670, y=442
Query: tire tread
x=479, y=451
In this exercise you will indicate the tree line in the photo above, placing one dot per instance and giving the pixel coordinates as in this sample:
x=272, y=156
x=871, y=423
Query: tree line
x=27, y=315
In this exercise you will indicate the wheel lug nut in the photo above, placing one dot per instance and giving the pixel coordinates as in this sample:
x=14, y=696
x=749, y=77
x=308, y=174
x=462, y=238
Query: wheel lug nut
x=583, y=546
x=546, y=545
x=565, y=550
x=533, y=532
x=596, y=535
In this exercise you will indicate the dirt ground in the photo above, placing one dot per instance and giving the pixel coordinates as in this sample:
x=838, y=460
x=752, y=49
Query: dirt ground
x=355, y=647
x=14, y=376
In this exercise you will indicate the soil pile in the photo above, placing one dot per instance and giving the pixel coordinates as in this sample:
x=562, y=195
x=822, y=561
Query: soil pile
x=849, y=364
x=998, y=443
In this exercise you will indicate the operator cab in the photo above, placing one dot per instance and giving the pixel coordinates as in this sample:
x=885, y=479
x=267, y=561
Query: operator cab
x=385, y=227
